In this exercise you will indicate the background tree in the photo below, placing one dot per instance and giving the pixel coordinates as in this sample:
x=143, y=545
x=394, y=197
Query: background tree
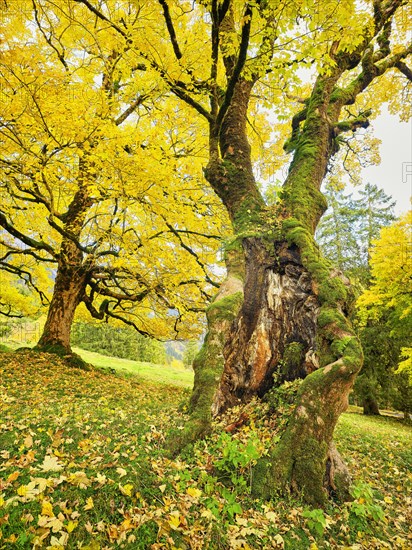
x=336, y=234
x=118, y=341
x=74, y=128
x=192, y=349
x=346, y=230
x=386, y=305
x=345, y=234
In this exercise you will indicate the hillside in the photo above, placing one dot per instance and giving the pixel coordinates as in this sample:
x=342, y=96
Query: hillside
x=82, y=465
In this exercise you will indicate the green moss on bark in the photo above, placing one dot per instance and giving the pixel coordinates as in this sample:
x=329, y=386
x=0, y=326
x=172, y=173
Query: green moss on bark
x=226, y=308
x=208, y=366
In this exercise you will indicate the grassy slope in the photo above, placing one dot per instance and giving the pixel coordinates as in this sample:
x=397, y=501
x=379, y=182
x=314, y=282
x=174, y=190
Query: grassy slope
x=82, y=466
x=161, y=374
x=156, y=373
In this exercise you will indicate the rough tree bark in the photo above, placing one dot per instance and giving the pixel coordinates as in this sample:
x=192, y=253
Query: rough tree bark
x=71, y=279
x=68, y=292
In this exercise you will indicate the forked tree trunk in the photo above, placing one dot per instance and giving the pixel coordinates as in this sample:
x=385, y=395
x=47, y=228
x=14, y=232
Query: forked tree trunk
x=287, y=317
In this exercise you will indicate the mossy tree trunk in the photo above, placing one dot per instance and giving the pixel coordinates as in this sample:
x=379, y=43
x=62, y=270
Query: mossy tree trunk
x=291, y=317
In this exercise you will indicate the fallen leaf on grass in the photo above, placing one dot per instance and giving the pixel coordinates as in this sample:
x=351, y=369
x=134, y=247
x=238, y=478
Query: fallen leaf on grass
x=47, y=509
x=51, y=464
x=126, y=489
x=89, y=504
x=71, y=526
x=79, y=479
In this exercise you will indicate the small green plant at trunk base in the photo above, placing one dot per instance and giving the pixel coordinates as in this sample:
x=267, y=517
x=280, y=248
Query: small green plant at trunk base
x=316, y=521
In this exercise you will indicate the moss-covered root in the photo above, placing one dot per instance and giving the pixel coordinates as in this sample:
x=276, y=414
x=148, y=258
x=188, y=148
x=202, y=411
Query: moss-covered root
x=304, y=461
x=209, y=364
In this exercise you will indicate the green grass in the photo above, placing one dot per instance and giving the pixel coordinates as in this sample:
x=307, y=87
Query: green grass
x=162, y=374
x=83, y=465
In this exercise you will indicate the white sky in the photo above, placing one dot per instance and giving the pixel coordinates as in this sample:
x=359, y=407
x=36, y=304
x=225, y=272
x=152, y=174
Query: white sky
x=394, y=173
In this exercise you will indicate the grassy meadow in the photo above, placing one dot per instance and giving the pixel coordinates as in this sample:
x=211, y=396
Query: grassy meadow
x=82, y=465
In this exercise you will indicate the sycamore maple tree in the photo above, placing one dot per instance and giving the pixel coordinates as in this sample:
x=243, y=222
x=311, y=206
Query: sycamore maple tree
x=321, y=69
x=97, y=189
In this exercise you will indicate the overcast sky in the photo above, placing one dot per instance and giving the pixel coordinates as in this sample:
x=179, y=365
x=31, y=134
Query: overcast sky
x=394, y=173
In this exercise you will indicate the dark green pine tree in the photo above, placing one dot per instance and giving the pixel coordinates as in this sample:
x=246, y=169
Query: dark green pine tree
x=347, y=229
x=372, y=210
x=334, y=234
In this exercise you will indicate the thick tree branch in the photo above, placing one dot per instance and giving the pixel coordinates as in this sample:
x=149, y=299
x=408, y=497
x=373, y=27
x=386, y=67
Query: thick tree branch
x=38, y=245
x=14, y=251
x=347, y=96
x=403, y=68
x=171, y=29
x=240, y=63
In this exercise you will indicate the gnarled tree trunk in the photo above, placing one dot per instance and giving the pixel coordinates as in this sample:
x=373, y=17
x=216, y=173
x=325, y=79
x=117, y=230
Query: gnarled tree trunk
x=274, y=334
x=290, y=320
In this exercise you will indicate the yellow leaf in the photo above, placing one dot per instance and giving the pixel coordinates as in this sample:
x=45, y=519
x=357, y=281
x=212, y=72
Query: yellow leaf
x=89, y=504
x=51, y=464
x=193, y=492
x=28, y=442
x=47, y=509
x=22, y=490
x=79, y=479
x=59, y=543
x=174, y=520
x=101, y=479
x=271, y=516
x=12, y=477
x=162, y=488
x=2, y=501
x=71, y=526
x=121, y=471
x=388, y=500
x=55, y=524
x=126, y=489
x=279, y=540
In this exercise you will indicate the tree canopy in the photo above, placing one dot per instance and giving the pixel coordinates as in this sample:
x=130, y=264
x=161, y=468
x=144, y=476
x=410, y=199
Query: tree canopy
x=93, y=168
